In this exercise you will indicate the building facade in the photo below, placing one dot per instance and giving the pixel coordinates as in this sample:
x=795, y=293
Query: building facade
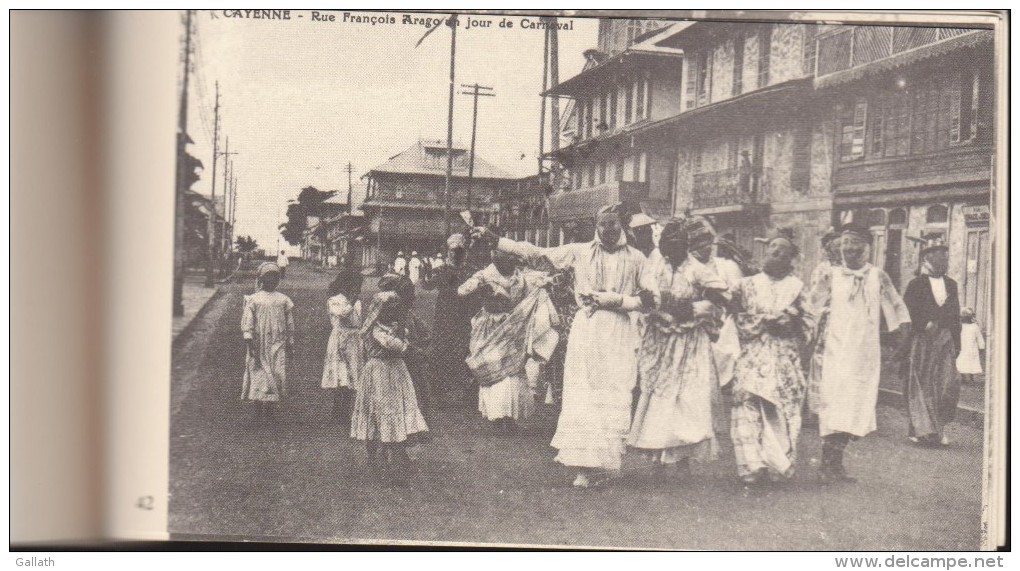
x=760, y=126
x=614, y=97
x=406, y=197
x=913, y=110
x=751, y=136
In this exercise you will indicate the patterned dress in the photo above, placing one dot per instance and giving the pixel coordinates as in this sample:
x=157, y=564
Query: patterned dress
x=768, y=391
x=268, y=320
x=677, y=365
x=386, y=408
x=514, y=326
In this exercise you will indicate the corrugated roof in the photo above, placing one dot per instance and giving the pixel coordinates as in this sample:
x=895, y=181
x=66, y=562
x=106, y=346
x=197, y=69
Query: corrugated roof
x=429, y=157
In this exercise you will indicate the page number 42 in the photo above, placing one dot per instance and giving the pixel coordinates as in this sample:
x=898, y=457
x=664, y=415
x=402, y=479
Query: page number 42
x=145, y=503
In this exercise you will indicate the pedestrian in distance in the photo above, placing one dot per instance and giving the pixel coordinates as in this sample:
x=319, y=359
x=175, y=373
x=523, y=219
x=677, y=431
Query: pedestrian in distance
x=414, y=268
x=267, y=324
x=386, y=415
x=400, y=264
x=972, y=344
x=342, y=364
x=282, y=261
x=931, y=383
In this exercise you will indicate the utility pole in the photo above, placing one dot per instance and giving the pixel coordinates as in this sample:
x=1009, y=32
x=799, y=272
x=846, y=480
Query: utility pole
x=182, y=165
x=227, y=168
x=452, y=23
x=233, y=209
x=554, y=80
x=211, y=226
x=449, y=123
x=346, y=229
x=545, y=87
x=474, y=128
x=228, y=220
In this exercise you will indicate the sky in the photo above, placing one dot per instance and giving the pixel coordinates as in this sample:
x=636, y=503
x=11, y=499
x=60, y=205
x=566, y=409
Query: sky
x=301, y=98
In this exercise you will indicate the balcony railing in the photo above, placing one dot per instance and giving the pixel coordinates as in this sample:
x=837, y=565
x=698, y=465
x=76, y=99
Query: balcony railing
x=730, y=187
x=583, y=202
x=854, y=46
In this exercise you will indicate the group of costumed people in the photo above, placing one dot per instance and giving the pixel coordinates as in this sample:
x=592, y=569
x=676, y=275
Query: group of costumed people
x=657, y=331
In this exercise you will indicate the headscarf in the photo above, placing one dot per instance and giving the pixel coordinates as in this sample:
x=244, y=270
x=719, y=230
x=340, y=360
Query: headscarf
x=699, y=233
x=268, y=267
x=375, y=307
x=615, y=208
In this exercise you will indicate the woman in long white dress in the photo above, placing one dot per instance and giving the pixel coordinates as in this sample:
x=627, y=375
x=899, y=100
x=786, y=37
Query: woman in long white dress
x=267, y=324
x=673, y=420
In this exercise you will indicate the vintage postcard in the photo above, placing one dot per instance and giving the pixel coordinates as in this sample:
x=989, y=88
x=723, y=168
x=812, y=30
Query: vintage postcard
x=655, y=280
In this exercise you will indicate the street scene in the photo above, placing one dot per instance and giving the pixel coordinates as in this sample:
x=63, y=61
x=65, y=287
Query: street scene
x=662, y=284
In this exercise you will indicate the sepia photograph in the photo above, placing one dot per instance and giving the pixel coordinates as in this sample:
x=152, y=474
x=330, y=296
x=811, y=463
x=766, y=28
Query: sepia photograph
x=683, y=280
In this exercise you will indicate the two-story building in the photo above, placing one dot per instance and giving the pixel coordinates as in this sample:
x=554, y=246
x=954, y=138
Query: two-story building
x=406, y=199
x=913, y=109
x=633, y=85
x=751, y=139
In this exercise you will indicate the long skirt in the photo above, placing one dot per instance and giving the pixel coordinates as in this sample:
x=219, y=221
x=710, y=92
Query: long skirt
x=386, y=408
x=932, y=387
x=673, y=419
x=600, y=371
x=343, y=359
x=267, y=381
x=763, y=436
x=509, y=398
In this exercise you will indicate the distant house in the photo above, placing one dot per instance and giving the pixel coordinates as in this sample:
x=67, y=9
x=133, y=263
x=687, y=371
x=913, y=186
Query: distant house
x=406, y=196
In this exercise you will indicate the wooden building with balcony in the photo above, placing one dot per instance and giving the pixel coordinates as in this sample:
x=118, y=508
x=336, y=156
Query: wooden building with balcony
x=914, y=112
x=406, y=198
x=618, y=93
x=752, y=139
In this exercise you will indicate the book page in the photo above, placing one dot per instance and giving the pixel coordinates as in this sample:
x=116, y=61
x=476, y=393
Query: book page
x=338, y=368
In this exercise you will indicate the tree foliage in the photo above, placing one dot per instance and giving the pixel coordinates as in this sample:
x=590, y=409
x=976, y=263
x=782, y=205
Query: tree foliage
x=246, y=244
x=309, y=203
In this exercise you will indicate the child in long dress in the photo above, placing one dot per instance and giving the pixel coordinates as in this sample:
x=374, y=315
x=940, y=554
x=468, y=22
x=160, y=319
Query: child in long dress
x=267, y=324
x=968, y=363
x=342, y=363
x=386, y=410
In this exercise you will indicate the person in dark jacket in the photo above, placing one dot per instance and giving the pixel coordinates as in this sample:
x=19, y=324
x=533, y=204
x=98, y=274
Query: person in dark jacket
x=932, y=385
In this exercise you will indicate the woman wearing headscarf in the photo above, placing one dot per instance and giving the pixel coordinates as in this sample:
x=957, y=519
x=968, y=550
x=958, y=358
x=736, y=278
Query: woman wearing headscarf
x=386, y=413
x=267, y=324
x=768, y=391
x=673, y=420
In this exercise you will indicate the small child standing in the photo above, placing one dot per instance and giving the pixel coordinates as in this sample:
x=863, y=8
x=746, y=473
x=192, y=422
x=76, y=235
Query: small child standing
x=968, y=363
x=386, y=410
x=342, y=364
x=267, y=324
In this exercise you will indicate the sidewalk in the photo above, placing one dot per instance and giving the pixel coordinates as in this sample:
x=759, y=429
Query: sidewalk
x=970, y=407
x=195, y=297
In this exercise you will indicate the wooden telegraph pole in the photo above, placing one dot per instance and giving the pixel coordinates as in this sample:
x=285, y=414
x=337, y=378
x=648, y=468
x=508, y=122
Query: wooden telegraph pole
x=211, y=225
x=474, y=128
x=182, y=166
